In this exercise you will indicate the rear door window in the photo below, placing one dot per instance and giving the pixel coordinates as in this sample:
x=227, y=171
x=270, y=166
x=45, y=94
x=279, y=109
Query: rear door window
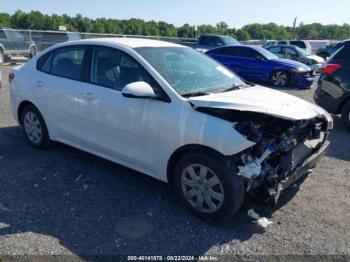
x=67, y=62
x=291, y=52
x=226, y=51
x=276, y=50
x=246, y=52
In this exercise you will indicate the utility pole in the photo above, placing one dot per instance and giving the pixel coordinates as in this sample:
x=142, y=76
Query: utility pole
x=294, y=27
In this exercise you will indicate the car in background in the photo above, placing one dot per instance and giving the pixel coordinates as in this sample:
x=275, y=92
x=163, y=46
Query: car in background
x=333, y=92
x=303, y=44
x=14, y=43
x=258, y=64
x=174, y=114
x=45, y=39
x=210, y=41
x=329, y=50
x=295, y=53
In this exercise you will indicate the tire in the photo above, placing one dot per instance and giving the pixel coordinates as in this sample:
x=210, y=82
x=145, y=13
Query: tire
x=345, y=115
x=32, y=52
x=280, y=78
x=2, y=57
x=35, y=128
x=226, y=192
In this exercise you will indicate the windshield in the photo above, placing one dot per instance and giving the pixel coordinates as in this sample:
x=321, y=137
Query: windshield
x=229, y=40
x=266, y=53
x=189, y=71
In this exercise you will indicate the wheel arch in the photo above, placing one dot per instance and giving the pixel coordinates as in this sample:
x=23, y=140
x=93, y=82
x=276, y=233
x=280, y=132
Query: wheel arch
x=21, y=107
x=186, y=149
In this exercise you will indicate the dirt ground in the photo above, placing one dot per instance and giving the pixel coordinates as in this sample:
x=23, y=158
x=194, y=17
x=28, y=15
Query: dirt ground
x=66, y=202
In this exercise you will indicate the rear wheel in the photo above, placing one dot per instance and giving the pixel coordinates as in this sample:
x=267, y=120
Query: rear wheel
x=279, y=78
x=35, y=128
x=208, y=187
x=2, y=57
x=345, y=115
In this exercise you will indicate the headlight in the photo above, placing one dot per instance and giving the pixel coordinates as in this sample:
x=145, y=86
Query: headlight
x=300, y=70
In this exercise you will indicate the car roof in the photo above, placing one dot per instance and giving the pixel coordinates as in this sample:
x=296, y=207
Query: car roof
x=126, y=41
x=292, y=46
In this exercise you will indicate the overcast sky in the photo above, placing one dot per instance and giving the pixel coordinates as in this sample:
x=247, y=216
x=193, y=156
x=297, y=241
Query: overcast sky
x=234, y=12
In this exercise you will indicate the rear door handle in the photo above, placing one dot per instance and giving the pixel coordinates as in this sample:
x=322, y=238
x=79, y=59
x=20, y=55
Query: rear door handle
x=39, y=84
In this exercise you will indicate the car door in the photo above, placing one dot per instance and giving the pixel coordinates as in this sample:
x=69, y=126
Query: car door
x=250, y=67
x=58, y=88
x=122, y=129
x=291, y=53
x=277, y=50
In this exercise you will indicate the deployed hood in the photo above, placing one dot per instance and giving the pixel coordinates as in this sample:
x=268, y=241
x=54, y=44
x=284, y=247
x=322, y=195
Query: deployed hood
x=316, y=58
x=261, y=100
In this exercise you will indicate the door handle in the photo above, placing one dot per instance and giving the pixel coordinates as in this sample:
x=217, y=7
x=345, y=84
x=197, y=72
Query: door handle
x=89, y=96
x=39, y=84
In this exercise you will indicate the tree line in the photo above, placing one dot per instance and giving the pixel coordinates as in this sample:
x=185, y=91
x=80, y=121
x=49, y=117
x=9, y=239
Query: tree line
x=37, y=21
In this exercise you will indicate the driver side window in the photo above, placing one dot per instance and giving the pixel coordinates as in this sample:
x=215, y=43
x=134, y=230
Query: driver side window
x=115, y=69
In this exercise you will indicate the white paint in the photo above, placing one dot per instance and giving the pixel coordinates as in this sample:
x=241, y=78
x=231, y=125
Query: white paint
x=141, y=133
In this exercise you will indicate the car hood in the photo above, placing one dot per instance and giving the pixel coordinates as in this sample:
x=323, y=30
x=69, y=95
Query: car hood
x=261, y=100
x=316, y=58
x=293, y=64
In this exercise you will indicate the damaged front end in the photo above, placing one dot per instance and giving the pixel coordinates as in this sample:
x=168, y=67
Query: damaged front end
x=284, y=150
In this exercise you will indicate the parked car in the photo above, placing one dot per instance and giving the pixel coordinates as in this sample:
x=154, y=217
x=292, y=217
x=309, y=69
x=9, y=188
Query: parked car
x=13, y=43
x=45, y=39
x=208, y=41
x=333, y=92
x=257, y=64
x=172, y=113
x=297, y=54
x=329, y=50
x=303, y=44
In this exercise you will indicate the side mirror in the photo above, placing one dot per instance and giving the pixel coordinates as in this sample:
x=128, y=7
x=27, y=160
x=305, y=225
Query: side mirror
x=138, y=90
x=260, y=58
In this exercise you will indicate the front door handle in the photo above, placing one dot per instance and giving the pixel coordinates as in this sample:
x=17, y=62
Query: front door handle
x=90, y=96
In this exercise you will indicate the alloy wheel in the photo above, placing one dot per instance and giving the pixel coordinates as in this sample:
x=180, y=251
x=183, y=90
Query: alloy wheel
x=202, y=188
x=33, y=127
x=279, y=78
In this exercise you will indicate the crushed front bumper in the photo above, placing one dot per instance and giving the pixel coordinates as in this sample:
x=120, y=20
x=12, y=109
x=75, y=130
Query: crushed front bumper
x=309, y=163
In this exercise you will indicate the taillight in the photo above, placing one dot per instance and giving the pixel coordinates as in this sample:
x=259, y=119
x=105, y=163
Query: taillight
x=11, y=76
x=330, y=69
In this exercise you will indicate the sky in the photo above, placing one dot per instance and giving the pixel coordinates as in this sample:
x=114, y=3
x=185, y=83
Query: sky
x=235, y=13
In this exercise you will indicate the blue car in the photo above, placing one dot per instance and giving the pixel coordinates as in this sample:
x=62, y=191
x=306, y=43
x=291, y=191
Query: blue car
x=257, y=64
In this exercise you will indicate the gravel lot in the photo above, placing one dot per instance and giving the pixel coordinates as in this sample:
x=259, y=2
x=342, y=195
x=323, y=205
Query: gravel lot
x=67, y=202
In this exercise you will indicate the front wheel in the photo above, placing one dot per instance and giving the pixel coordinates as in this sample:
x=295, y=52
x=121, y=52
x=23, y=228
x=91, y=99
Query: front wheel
x=279, y=78
x=208, y=187
x=345, y=115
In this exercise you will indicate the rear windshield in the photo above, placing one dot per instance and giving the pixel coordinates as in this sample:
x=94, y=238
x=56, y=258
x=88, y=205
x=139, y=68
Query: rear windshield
x=343, y=53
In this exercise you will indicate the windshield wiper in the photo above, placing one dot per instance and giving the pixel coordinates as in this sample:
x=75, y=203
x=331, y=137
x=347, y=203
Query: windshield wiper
x=197, y=93
x=233, y=87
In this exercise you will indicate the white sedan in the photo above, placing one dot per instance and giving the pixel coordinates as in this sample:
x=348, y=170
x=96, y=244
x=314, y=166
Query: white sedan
x=172, y=113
